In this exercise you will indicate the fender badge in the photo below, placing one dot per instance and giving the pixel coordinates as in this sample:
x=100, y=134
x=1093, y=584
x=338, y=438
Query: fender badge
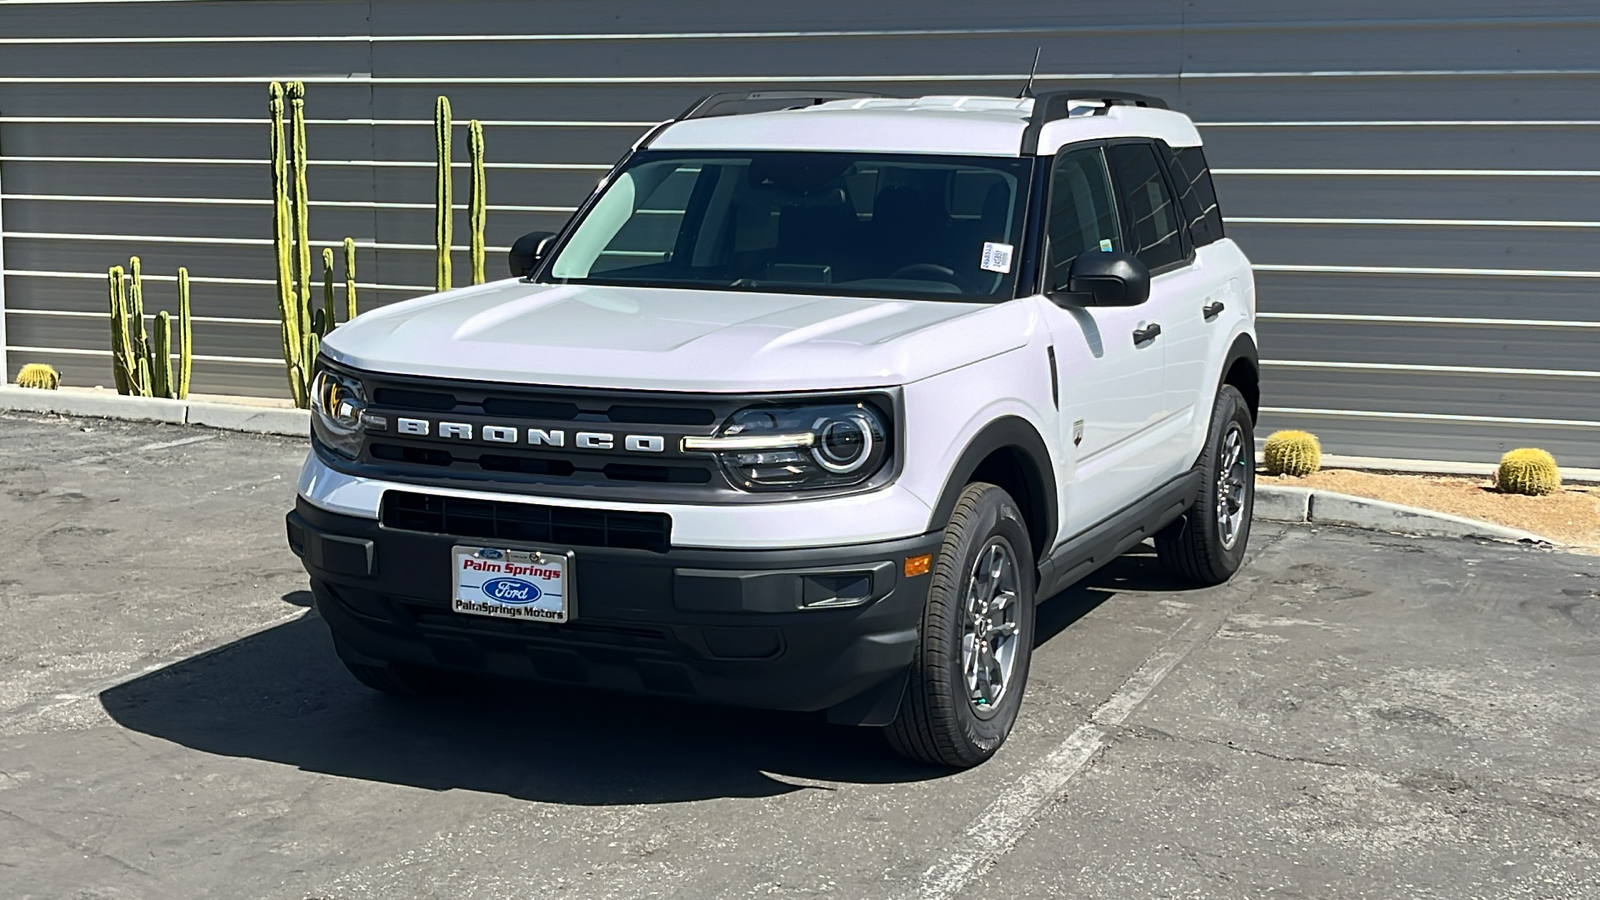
x=1077, y=432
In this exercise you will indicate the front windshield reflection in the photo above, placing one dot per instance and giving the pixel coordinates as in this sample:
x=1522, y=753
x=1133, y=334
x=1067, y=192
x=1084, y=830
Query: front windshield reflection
x=851, y=224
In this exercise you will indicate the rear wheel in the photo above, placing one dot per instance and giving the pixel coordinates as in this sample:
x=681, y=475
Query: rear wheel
x=977, y=637
x=1207, y=545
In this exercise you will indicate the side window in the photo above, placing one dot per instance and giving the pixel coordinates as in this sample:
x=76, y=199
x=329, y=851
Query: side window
x=1153, y=222
x=1196, y=196
x=1083, y=217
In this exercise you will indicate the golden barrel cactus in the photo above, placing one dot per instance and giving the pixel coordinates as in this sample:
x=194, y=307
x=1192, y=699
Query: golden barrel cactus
x=1528, y=470
x=1294, y=453
x=38, y=375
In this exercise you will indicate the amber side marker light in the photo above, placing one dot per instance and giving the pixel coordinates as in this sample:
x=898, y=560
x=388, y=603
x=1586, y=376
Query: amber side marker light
x=918, y=565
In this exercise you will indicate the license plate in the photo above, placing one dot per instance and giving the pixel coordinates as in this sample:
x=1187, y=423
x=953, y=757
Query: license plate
x=513, y=584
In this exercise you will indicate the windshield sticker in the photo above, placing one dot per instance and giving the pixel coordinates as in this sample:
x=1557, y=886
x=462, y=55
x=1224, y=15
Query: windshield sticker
x=996, y=257
x=1105, y=245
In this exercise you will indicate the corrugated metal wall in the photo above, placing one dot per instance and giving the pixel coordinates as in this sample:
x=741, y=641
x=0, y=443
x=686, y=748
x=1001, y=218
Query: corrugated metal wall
x=1417, y=182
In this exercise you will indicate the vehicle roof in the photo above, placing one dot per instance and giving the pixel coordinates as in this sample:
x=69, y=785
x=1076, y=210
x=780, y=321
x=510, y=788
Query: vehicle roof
x=964, y=125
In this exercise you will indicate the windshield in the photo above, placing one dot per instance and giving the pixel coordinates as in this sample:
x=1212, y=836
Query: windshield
x=854, y=224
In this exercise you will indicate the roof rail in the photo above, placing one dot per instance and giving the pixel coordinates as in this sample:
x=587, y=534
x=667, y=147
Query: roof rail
x=1053, y=105
x=710, y=105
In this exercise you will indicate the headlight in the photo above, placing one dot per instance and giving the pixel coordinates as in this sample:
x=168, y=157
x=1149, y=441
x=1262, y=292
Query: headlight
x=337, y=404
x=768, y=448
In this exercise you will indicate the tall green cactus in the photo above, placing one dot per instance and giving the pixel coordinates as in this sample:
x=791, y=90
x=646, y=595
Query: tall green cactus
x=186, y=329
x=349, y=279
x=302, y=219
x=142, y=366
x=140, y=343
x=122, y=364
x=478, y=205
x=283, y=243
x=161, y=384
x=304, y=325
x=442, y=199
x=327, y=322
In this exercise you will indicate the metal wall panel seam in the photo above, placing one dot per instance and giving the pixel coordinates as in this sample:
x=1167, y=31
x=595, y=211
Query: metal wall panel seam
x=1432, y=369
x=367, y=123
x=599, y=123
x=361, y=78
x=198, y=357
x=237, y=242
x=1424, y=270
x=1428, y=417
x=211, y=279
x=1022, y=30
x=1431, y=320
x=369, y=204
x=1426, y=223
x=252, y=201
x=388, y=163
x=357, y=163
x=1423, y=173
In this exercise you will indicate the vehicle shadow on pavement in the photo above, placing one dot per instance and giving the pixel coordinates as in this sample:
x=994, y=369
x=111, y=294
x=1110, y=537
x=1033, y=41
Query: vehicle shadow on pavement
x=282, y=696
x=1138, y=570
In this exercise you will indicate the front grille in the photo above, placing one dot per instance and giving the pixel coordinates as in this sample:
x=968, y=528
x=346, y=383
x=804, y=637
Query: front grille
x=600, y=471
x=526, y=522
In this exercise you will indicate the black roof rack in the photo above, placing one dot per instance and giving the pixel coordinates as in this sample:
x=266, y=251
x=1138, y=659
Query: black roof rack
x=1053, y=105
x=713, y=104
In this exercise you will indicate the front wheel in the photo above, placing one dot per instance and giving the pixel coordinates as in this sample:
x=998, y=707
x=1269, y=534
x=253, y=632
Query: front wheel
x=977, y=636
x=1207, y=545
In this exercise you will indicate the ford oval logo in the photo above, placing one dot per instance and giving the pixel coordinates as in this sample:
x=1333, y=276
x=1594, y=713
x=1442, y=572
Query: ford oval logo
x=511, y=590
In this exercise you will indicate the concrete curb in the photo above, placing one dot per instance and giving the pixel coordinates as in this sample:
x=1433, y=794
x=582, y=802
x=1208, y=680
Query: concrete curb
x=228, y=416
x=1315, y=507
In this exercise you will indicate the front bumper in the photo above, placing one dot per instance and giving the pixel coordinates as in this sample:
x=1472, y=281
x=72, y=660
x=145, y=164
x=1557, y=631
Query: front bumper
x=804, y=629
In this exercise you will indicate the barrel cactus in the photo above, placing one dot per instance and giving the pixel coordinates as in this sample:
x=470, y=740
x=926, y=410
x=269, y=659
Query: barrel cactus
x=39, y=375
x=1294, y=453
x=1528, y=471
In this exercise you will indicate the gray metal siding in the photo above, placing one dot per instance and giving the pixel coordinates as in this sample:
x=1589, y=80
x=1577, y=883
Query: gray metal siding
x=1386, y=168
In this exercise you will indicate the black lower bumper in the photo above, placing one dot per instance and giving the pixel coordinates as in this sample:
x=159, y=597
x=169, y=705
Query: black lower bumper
x=829, y=628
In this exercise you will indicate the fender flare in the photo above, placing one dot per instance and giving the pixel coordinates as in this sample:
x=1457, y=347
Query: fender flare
x=1244, y=348
x=1007, y=431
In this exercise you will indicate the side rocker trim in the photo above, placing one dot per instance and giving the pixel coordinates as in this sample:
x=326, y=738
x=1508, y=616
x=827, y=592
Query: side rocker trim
x=1092, y=548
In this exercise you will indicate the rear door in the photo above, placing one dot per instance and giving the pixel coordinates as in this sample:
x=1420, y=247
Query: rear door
x=1154, y=228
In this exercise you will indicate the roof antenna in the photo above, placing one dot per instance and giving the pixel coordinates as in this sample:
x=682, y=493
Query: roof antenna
x=1027, y=89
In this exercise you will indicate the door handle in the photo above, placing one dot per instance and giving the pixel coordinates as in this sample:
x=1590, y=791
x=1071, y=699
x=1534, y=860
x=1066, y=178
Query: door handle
x=1212, y=310
x=1148, y=333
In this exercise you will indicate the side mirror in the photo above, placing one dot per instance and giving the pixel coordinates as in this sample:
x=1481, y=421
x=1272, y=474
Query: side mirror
x=528, y=251
x=1111, y=278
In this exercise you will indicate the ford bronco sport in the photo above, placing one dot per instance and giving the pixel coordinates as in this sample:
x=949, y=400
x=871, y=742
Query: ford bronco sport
x=805, y=408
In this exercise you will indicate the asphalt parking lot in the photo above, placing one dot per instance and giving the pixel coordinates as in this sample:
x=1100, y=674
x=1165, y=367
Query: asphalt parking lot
x=1355, y=715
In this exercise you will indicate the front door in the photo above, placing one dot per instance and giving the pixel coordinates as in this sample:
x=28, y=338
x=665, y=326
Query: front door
x=1110, y=381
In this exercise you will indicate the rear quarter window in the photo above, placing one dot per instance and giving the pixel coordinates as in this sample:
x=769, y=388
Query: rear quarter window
x=1196, y=196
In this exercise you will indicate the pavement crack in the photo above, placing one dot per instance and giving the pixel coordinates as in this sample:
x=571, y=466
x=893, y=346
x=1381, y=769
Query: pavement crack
x=75, y=844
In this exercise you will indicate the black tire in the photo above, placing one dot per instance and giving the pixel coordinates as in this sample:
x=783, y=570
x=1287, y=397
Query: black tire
x=1201, y=547
x=940, y=721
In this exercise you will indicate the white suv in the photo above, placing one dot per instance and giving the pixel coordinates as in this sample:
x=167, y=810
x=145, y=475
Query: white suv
x=805, y=408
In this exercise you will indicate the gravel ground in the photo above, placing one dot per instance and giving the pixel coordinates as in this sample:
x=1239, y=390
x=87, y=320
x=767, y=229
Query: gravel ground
x=1354, y=716
x=1570, y=517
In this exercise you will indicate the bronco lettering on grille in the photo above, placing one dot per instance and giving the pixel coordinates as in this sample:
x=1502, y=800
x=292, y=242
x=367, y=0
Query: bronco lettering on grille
x=532, y=437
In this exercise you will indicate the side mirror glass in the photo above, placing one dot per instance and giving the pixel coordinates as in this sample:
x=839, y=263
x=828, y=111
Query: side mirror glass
x=1110, y=278
x=529, y=251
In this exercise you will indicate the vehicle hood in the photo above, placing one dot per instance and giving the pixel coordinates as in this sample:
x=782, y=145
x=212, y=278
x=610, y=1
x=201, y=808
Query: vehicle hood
x=673, y=339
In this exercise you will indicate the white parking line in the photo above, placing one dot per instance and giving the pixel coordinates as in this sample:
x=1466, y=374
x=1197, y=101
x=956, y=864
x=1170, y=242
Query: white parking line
x=994, y=833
